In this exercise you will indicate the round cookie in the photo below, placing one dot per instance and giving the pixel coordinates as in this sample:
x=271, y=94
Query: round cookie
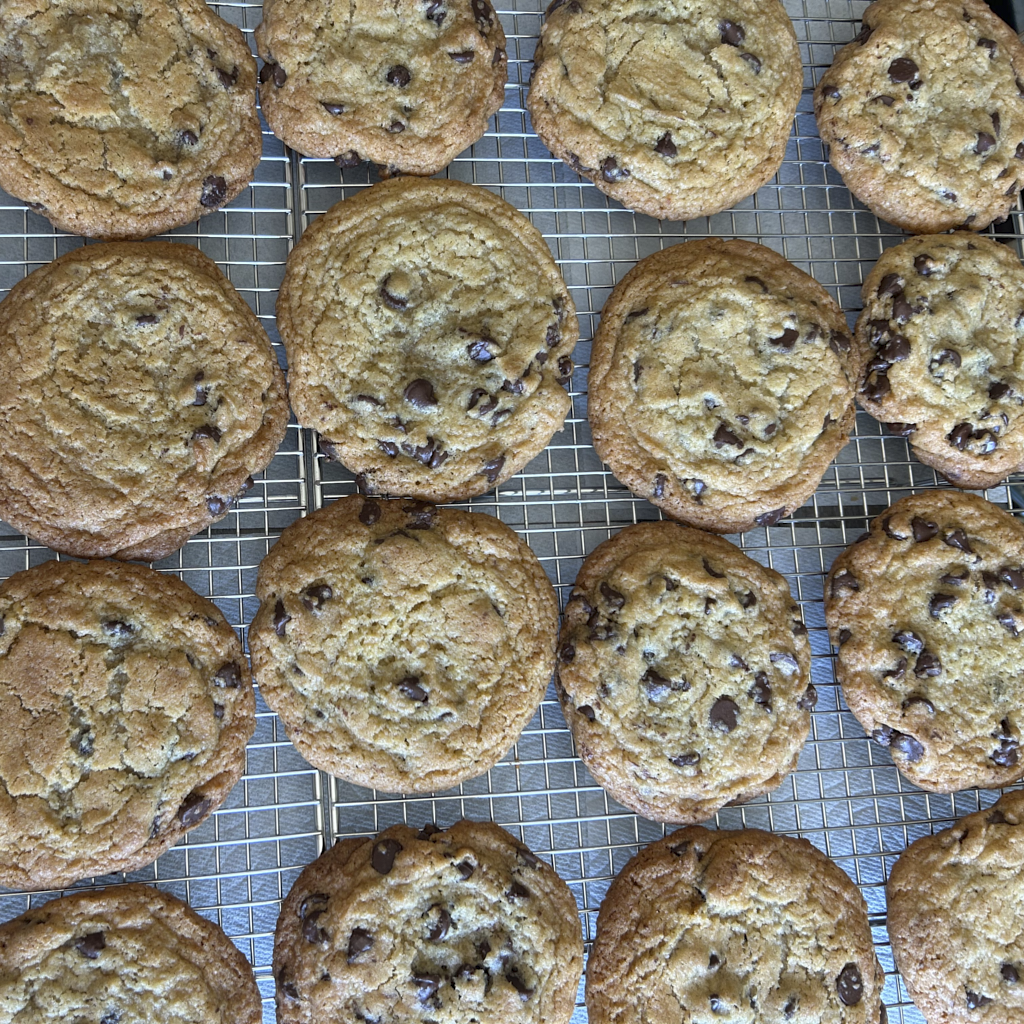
x=941, y=341
x=405, y=647
x=139, y=393
x=122, y=120
x=408, y=84
x=453, y=926
x=926, y=611
x=677, y=110
x=923, y=114
x=129, y=954
x=736, y=926
x=684, y=672
x=721, y=383
x=956, y=917
x=127, y=703
x=429, y=336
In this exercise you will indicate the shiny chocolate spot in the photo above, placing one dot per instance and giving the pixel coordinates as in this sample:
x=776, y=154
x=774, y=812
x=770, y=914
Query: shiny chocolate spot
x=420, y=393
x=280, y=618
x=383, y=856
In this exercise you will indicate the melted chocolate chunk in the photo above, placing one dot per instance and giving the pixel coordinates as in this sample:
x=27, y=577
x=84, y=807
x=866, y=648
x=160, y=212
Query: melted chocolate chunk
x=666, y=147
x=896, y=349
x=228, y=676
x=420, y=393
x=875, y=390
x=960, y=435
x=786, y=340
x=923, y=529
x=685, y=761
x=587, y=712
x=724, y=714
x=890, y=285
x=492, y=469
x=280, y=618
x=118, y=629
x=909, y=642
x=809, y=699
x=940, y=603
x=770, y=518
x=903, y=69
x=1009, y=972
x=958, y=539
x=928, y=665
x=724, y=436
x=844, y=580
x=90, y=945
x=315, y=596
x=990, y=45
x=921, y=702
x=517, y=891
x=334, y=109
x=975, y=1001
x=398, y=75
x=911, y=748
x=439, y=929
x=193, y=809
x=370, y=512
x=831, y=92
x=350, y=158
x=383, y=856
x=849, y=984
x=215, y=190
x=754, y=62
x=761, y=691
x=786, y=662
x=731, y=33
x=613, y=597
x=711, y=572
x=985, y=143
x=1013, y=577
x=611, y=171
x=567, y=653
x=410, y=687
x=358, y=942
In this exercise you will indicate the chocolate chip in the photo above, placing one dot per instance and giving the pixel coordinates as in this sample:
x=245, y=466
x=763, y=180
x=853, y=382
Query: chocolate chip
x=659, y=485
x=466, y=869
x=514, y=387
x=985, y=143
x=754, y=62
x=499, y=56
x=567, y=653
x=990, y=45
x=850, y=985
x=436, y=12
x=350, y=158
x=922, y=702
x=428, y=830
x=215, y=190
x=903, y=69
x=118, y=629
x=731, y=33
x=875, y=390
x=370, y=512
x=685, y=761
x=790, y=1008
x=897, y=672
x=613, y=597
x=1013, y=577
x=890, y=285
x=735, y=661
x=947, y=355
x=958, y=539
x=517, y=891
x=666, y=147
x=902, y=310
x=420, y=393
x=193, y=809
x=844, y=580
x=426, y=985
x=492, y=469
x=1009, y=972
x=611, y=171
x=901, y=429
x=1005, y=755
x=887, y=101
x=770, y=518
x=996, y=121
x=480, y=350
x=1007, y=621
x=519, y=985
x=997, y=389
x=315, y=596
x=334, y=109
x=955, y=580
x=206, y=432
x=228, y=676
x=786, y=340
x=839, y=342
x=910, y=747
x=709, y=603
x=280, y=618
x=831, y=92
x=398, y=75
x=923, y=529
x=383, y=856
x=761, y=691
x=587, y=712
x=786, y=662
x=439, y=929
x=928, y=664
x=711, y=572
x=724, y=436
x=358, y=942
x=959, y=436
x=90, y=945
x=311, y=931
x=395, y=127
x=809, y=699
x=565, y=369
x=724, y=713
x=897, y=349
x=748, y=600
x=975, y=1001
x=227, y=78
x=410, y=687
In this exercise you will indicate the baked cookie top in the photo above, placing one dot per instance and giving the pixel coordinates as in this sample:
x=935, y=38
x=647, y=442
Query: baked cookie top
x=127, y=703
x=733, y=926
x=450, y=926
x=923, y=114
x=941, y=341
x=673, y=108
x=721, y=383
x=926, y=612
x=129, y=954
x=407, y=84
x=684, y=672
x=124, y=119
x=139, y=393
x=429, y=336
x=404, y=646
x=956, y=917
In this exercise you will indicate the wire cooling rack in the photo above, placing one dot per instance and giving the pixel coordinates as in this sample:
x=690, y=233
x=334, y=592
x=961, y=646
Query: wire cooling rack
x=845, y=795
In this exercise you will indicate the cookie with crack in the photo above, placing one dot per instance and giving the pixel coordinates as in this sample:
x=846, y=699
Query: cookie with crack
x=404, y=646
x=923, y=114
x=956, y=917
x=429, y=337
x=453, y=926
x=408, y=84
x=735, y=926
x=927, y=612
x=684, y=672
x=139, y=394
x=124, y=955
x=121, y=120
x=127, y=703
x=675, y=109
x=941, y=341
x=721, y=383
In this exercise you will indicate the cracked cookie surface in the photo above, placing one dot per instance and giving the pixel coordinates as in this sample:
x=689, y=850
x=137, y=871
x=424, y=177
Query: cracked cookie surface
x=129, y=954
x=741, y=927
x=407, y=84
x=675, y=108
x=941, y=341
x=139, y=392
x=956, y=917
x=404, y=646
x=457, y=926
x=684, y=672
x=923, y=114
x=721, y=383
x=127, y=704
x=429, y=336
x=126, y=118
x=927, y=613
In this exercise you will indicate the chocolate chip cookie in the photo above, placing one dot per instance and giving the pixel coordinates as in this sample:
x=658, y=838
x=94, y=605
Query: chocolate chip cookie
x=721, y=383
x=677, y=110
x=449, y=926
x=404, y=646
x=956, y=917
x=125, y=955
x=684, y=672
x=429, y=337
x=941, y=341
x=927, y=612
x=408, y=84
x=127, y=703
x=139, y=392
x=734, y=926
x=923, y=114
x=124, y=119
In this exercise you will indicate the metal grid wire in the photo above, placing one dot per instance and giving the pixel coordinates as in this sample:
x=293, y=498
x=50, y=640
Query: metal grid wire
x=845, y=795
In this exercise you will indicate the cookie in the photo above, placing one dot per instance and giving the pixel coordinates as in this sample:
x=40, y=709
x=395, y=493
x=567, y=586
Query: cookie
x=122, y=120
x=429, y=336
x=733, y=926
x=956, y=917
x=139, y=394
x=404, y=646
x=127, y=703
x=407, y=84
x=941, y=340
x=926, y=611
x=452, y=926
x=129, y=954
x=923, y=114
x=684, y=672
x=721, y=384
x=675, y=109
